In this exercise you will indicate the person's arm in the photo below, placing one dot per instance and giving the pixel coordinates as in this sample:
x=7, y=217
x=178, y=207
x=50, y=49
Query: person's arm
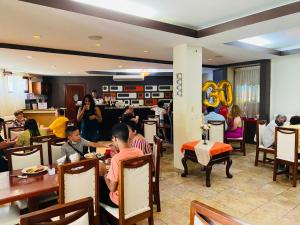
x=80, y=113
x=112, y=186
x=97, y=116
x=94, y=144
x=7, y=144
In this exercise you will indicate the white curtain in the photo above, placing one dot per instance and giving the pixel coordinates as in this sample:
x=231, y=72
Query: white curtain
x=246, y=85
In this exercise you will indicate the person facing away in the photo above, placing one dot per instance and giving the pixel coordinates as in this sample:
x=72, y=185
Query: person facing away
x=30, y=130
x=109, y=181
x=75, y=143
x=235, y=124
x=4, y=145
x=213, y=116
x=268, y=134
x=128, y=115
x=20, y=119
x=160, y=111
x=58, y=126
x=89, y=117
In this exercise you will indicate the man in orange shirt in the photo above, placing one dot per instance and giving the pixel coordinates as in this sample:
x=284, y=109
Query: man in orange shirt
x=109, y=182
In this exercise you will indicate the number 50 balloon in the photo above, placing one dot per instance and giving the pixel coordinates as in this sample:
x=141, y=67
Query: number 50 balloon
x=221, y=92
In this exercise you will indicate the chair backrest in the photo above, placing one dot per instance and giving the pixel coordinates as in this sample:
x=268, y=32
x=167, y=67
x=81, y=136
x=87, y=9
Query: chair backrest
x=135, y=187
x=157, y=144
x=217, y=131
x=150, y=130
x=260, y=126
x=43, y=140
x=54, y=149
x=80, y=180
x=14, y=132
x=7, y=124
x=286, y=144
x=22, y=157
x=201, y=214
x=76, y=212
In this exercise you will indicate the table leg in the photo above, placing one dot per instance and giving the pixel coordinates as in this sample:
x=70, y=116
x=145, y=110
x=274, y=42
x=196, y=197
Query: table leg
x=185, y=171
x=208, y=172
x=228, y=165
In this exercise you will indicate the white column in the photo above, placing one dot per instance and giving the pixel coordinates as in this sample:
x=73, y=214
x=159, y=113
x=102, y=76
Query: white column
x=187, y=108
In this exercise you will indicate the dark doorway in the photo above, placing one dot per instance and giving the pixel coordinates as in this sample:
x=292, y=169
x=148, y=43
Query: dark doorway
x=73, y=93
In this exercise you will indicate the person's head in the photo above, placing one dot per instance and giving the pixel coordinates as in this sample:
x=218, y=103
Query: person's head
x=94, y=93
x=280, y=119
x=235, y=111
x=60, y=112
x=128, y=109
x=88, y=101
x=295, y=120
x=160, y=104
x=72, y=133
x=1, y=123
x=32, y=126
x=120, y=134
x=19, y=115
x=132, y=127
x=210, y=109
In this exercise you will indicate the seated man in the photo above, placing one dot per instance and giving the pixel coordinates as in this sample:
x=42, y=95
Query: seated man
x=129, y=115
x=268, y=134
x=58, y=126
x=4, y=145
x=75, y=143
x=109, y=182
x=212, y=115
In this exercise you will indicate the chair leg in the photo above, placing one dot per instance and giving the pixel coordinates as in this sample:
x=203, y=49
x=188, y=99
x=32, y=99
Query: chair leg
x=275, y=170
x=244, y=149
x=264, y=158
x=295, y=168
x=158, y=200
x=256, y=157
x=150, y=220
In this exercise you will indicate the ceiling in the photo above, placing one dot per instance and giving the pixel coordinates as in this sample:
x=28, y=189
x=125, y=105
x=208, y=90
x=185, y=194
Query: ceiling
x=66, y=30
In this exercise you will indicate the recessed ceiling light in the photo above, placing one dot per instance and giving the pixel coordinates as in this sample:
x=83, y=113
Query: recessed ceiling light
x=69, y=72
x=95, y=37
x=120, y=66
x=54, y=67
x=36, y=37
x=209, y=59
x=146, y=51
x=98, y=45
x=29, y=57
x=258, y=41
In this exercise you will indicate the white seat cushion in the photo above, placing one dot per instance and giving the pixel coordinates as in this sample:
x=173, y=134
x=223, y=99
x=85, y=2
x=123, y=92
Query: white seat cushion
x=115, y=211
x=9, y=215
x=233, y=139
x=261, y=146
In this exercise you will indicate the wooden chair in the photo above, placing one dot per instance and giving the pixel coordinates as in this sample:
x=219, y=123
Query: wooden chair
x=14, y=132
x=216, y=131
x=7, y=124
x=150, y=130
x=43, y=140
x=260, y=125
x=286, y=151
x=135, y=192
x=78, y=212
x=22, y=157
x=156, y=156
x=201, y=214
x=80, y=180
x=240, y=140
x=54, y=149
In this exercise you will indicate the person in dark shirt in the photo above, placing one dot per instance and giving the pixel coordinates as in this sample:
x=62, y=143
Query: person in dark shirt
x=4, y=145
x=128, y=115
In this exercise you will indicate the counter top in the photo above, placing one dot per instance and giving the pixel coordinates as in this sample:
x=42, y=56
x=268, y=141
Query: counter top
x=40, y=111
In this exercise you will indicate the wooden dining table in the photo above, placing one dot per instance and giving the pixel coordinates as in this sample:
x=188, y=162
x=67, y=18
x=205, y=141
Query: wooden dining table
x=13, y=188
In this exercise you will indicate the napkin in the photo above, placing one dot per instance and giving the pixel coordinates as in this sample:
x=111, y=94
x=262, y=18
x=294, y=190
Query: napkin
x=61, y=160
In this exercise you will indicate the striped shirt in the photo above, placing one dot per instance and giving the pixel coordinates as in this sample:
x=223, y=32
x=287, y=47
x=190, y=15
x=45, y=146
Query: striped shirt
x=141, y=143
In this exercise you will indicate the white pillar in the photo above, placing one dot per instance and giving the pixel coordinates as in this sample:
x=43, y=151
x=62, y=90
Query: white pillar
x=187, y=108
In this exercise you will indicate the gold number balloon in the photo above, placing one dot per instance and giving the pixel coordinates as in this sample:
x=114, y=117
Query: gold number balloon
x=214, y=93
x=218, y=93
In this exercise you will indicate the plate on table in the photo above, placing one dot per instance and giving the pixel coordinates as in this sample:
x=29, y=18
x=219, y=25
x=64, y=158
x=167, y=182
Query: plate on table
x=34, y=170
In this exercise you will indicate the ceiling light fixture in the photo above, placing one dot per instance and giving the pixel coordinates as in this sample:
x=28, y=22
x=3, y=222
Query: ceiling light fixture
x=120, y=66
x=69, y=72
x=29, y=57
x=98, y=45
x=258, y=41
x=146, y=51
x=124, y=6
x=38, y=37
x=209, y=59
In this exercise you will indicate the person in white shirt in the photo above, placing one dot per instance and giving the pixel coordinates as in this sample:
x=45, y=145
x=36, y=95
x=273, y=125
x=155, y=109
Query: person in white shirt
x=213, y=116
x=161, y=112
x=268, y=134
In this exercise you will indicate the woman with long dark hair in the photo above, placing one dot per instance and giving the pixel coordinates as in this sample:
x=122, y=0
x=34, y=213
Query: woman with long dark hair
x=89, y=116
x=30, y=130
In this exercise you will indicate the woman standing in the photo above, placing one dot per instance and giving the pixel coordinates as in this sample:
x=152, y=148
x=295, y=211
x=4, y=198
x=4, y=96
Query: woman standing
x=89, y=115
x=30, y=130
x=235, y=128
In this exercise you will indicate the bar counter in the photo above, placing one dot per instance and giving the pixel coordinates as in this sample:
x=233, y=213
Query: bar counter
x=42, y=116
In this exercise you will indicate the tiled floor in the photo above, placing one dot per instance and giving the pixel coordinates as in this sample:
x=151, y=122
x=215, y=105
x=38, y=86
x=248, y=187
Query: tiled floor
x=251, y=195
